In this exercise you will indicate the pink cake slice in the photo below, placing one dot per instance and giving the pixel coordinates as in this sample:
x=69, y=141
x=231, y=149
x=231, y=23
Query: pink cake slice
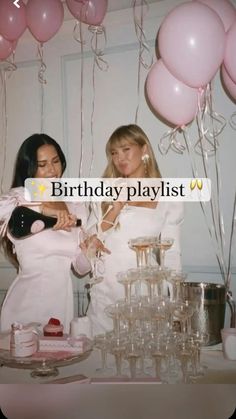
x=64, y=343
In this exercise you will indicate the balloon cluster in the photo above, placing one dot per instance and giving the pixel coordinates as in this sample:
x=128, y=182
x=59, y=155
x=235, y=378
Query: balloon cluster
x=43, y=18
x=194, y=40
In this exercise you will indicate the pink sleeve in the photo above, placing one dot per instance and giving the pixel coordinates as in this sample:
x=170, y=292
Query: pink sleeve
x=81, y=263
x=8, y=202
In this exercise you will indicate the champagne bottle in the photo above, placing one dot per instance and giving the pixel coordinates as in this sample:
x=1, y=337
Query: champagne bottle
x=24, y=222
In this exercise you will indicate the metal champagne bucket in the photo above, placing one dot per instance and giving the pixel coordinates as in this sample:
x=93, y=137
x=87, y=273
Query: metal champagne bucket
x=211, y=301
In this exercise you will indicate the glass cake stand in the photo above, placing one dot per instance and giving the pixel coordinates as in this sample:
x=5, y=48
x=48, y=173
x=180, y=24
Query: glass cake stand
x=44, y=364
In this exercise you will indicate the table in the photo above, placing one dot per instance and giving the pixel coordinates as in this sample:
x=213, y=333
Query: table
x=104, y=401
x=73, y=401
x=219, y=370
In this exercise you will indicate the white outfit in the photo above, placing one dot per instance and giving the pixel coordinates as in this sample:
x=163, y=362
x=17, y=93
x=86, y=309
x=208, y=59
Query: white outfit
x=43, y=286
x=134, y=221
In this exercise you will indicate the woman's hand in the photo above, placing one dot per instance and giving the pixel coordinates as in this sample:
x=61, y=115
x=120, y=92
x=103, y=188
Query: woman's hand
x=92, y=246
x=59, y=210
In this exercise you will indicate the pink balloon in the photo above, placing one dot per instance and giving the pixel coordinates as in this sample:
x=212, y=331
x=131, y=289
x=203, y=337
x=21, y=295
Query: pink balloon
x=44, y=18
x=192, y=42
x=91, y=12
x=230, y=53
x=6, y=48
x=224, y=9
x=172, y=99
x=12, y=19
x=228, y=83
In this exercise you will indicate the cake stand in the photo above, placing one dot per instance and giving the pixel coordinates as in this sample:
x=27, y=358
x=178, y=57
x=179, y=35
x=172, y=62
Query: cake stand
x=44, y=364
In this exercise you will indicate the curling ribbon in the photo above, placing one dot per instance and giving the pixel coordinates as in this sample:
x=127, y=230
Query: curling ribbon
x=98, y=33
x=5, y=74
x=78, y=36
x=143, y=46
x=42, y=81
x=169, y=141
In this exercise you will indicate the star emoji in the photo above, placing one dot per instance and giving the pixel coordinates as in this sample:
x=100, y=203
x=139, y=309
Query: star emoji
x=41, y=188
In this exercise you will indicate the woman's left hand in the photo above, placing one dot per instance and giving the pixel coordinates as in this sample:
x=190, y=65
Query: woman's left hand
x=94, y=244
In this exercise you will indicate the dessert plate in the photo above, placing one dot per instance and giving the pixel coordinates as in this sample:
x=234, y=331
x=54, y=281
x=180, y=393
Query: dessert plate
x=44, y=363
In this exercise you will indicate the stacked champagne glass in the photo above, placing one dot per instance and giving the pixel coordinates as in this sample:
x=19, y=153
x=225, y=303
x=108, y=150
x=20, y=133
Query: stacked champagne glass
x=152, y=333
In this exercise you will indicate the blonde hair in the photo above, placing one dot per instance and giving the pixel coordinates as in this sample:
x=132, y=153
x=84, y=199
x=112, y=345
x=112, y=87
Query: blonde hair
x=133, y=134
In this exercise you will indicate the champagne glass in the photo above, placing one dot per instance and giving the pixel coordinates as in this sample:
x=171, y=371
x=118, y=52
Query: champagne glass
x=183, y=311
x=177, y=278
x=141, y=339
x=200, y=339
x=132, y=354
x=154, y=277
x=141, y=246
x=101, y=342
x=157, y=353
x=150, y=277
x=195, y=373
x=117, y=348
x=159, y=310
x=127, y=278
x=130, y=313
x=163, y=244
x=97, y=266
x=173, y=370
x=95, y=258
x=184, y=352
x=143, y=314
x=138, y=275
x=115, y=311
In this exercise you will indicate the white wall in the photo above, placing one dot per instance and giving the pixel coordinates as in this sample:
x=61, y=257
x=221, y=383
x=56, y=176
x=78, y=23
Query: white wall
x=115, y=104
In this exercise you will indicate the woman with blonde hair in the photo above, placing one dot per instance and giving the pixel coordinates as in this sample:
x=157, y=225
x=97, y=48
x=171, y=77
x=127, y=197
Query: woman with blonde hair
x=131, y=135
x=130, y=155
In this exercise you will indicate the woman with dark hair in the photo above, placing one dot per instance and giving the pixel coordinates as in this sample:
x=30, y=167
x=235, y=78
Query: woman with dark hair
x=43, y=286
x=27, y=158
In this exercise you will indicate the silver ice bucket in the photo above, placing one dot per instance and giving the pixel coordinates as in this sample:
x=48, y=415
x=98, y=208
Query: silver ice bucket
x=211, y=301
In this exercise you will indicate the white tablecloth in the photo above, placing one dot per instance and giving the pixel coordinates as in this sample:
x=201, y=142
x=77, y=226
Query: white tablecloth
x=219, y=370
x=74, y=400
x=81, y=401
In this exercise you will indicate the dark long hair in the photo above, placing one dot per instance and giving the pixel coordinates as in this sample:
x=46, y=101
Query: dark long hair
x=26, y=159
x=26, y=167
